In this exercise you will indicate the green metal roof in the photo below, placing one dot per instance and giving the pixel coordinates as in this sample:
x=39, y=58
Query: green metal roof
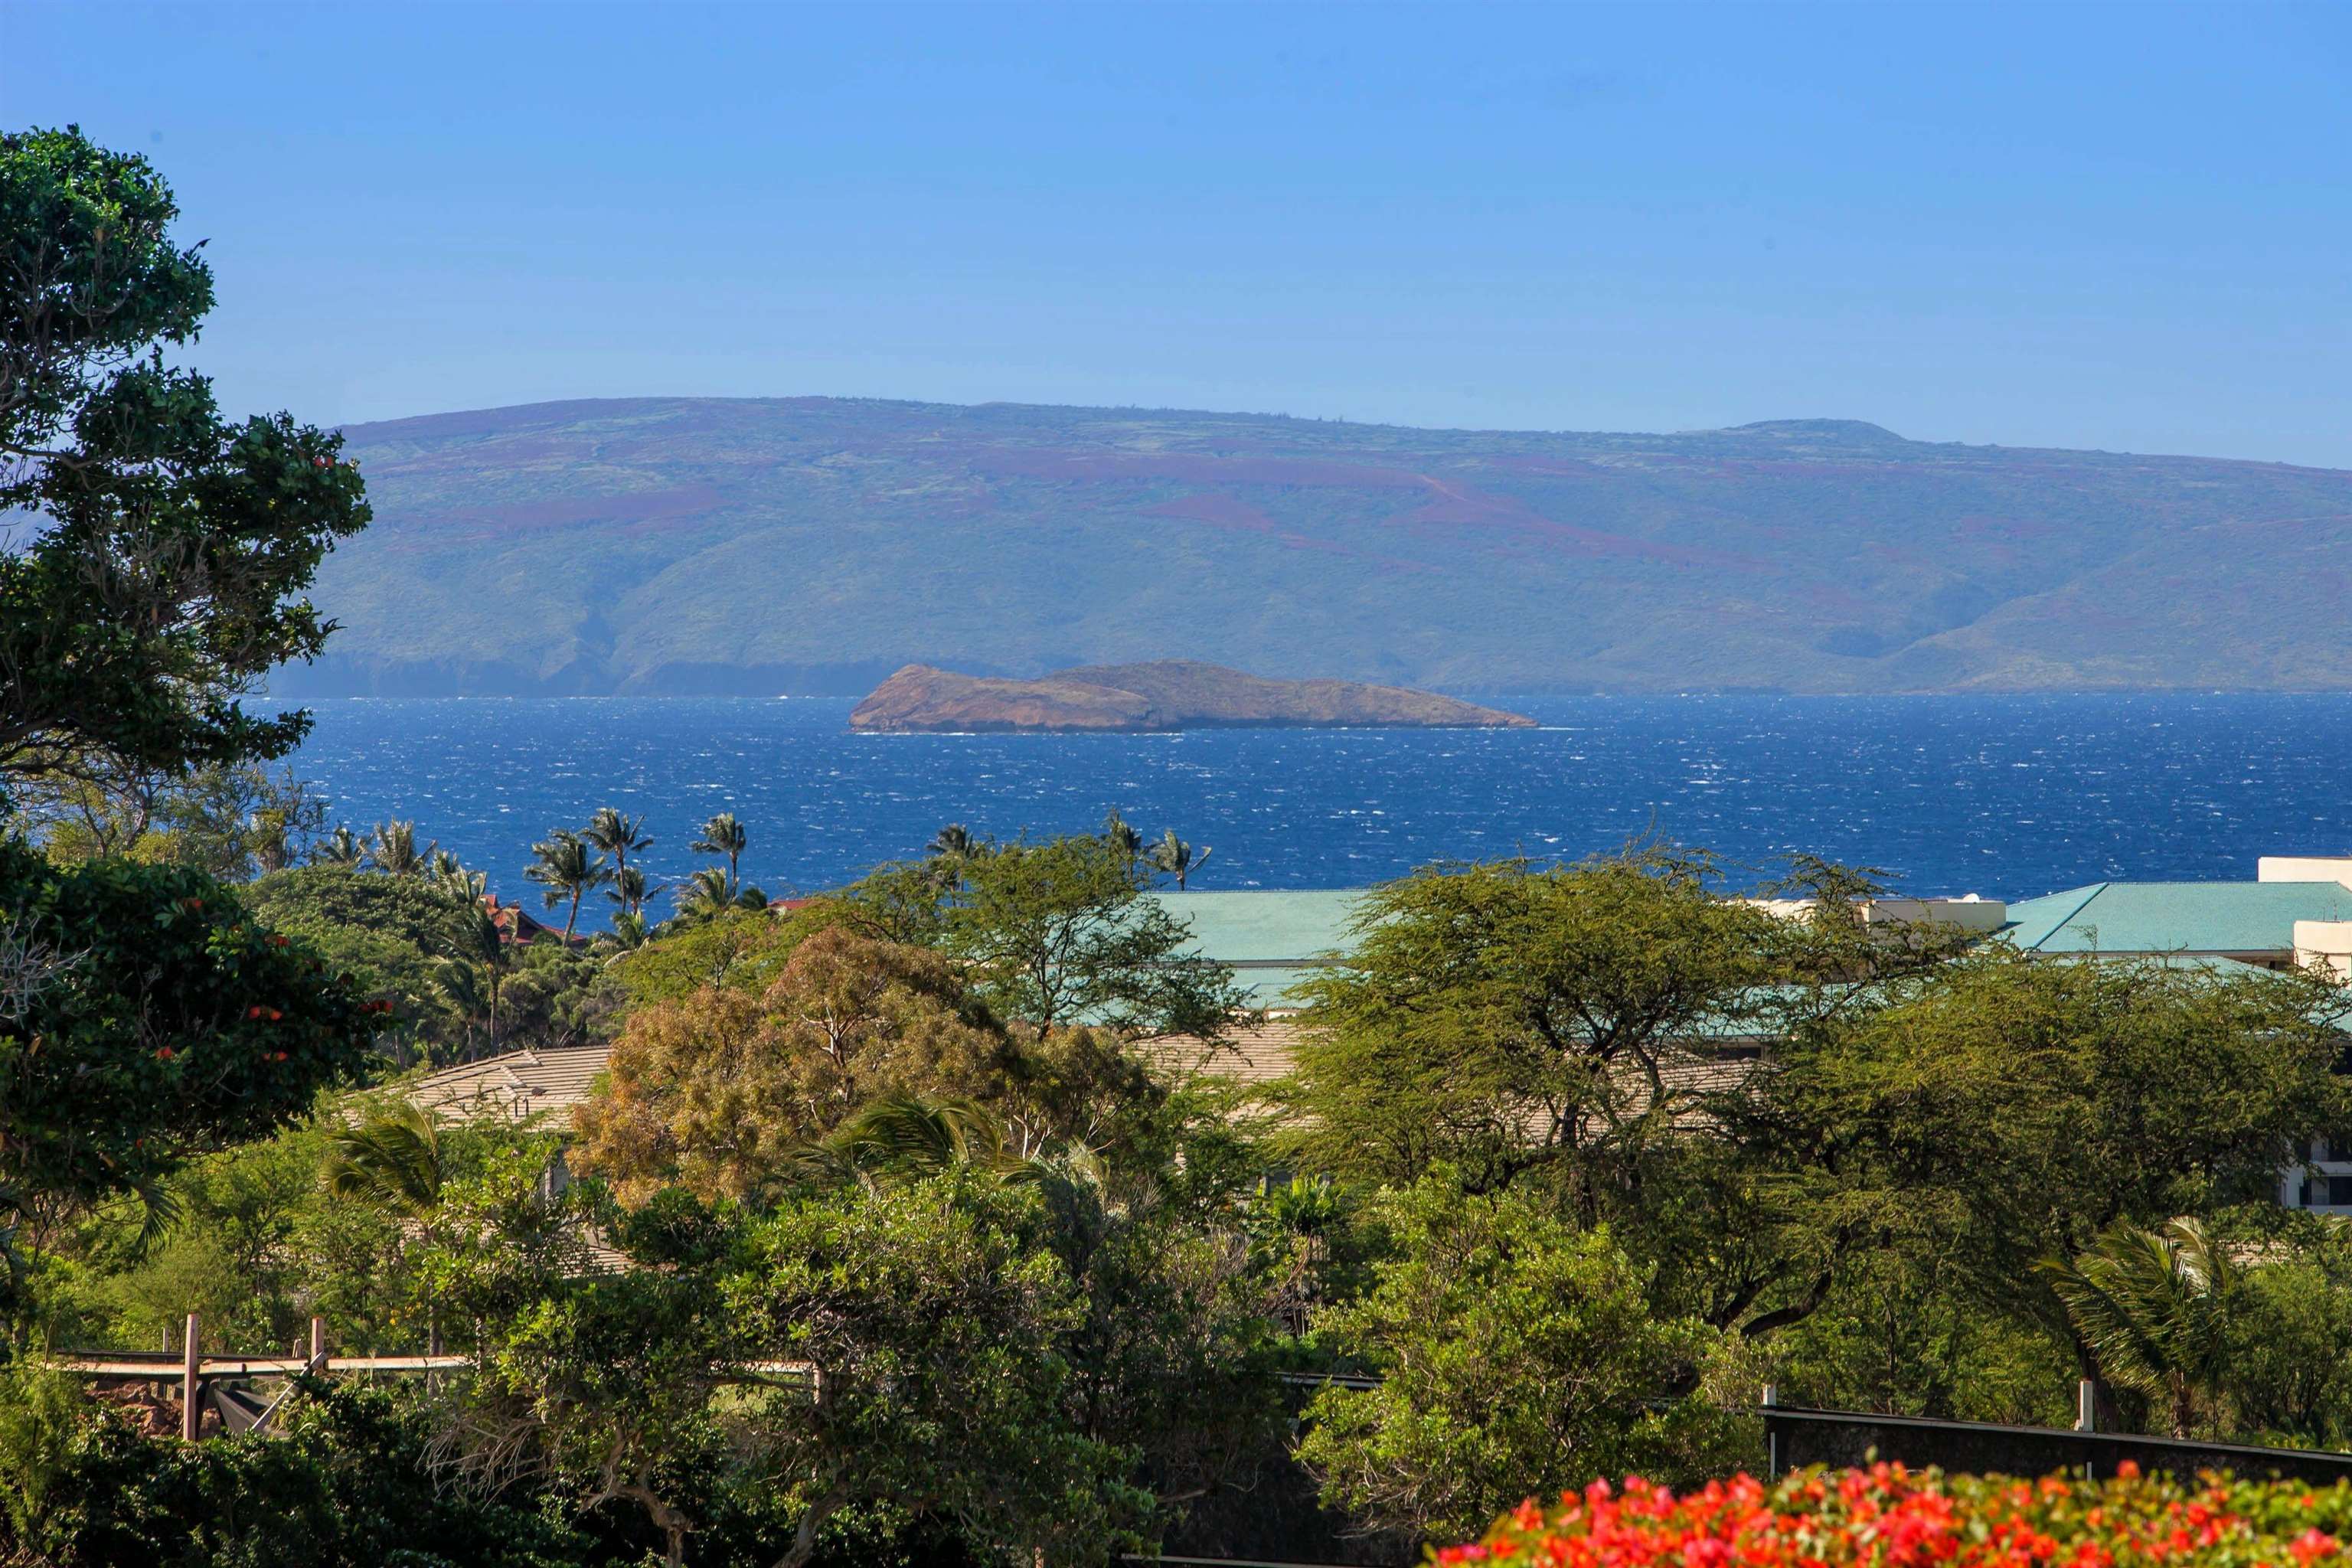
x=1275, y=926
x=2175, y=916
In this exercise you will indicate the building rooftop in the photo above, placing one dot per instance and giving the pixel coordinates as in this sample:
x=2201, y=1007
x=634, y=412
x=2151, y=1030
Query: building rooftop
x=1281, y=927
x=2224, y=918
x=2219, y=918
x=516, y=1087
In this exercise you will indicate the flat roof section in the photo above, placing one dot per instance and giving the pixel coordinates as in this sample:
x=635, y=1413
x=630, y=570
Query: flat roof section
x=2175, y=916
x=1280, y=926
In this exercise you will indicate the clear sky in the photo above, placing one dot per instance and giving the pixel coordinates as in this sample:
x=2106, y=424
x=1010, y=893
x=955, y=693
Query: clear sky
x=2117, y=227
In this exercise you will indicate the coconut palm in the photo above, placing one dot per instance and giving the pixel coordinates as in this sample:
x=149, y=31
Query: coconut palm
x=722, y=834
x=2148, y=1304
x=341, y=847
x=393, y=850
x=1177, y=858
x=1121, y=836
x=617, y=835
x=954, y=842
x=563, y=866
x=391, y=1160
x=474, y=969
x=629, y=931
x=630, y=889
x=704, y=895
x=451, y=877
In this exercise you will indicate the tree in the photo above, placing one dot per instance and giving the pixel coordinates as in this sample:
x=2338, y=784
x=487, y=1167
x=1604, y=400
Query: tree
x=1173, y=857
x=704, y=895
x=2008, y=1107
x=1061, y=933
x=1121, y=836
x=719, y=1091
x=630, y=891
x=619, y=836
x=939, y=1335
x=157, y=583
x=562, y=865
x=722, y=834
x=391, y=933
x=1510, y=1018
x=391, y=849
x=153, y=1019
x=2151, y=1306
x=1520, y=1357
x=955, y=842
x=474, y=968
x=391, y=1160
x=341, y=847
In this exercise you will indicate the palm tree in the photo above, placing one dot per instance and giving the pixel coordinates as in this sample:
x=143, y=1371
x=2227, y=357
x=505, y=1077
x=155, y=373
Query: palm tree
x=1121, y=836
x=2148, y=1305
x=630, y=889
x=393, y=850
x=722, y=834
x=1176, y=858
x=954, y=842
x=616, y=834
x=905, y=1137
x=341, y=847
x=562, y=865
x=391, y=1161
x=475, y=970
x=451, y=877
x=629, y=931
x=704, y=895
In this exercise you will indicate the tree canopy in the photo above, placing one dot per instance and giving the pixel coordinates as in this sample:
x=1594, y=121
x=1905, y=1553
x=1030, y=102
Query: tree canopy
x=156, y=578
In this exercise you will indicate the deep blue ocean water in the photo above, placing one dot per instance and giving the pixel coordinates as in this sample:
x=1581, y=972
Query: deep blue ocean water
x=2006, y=797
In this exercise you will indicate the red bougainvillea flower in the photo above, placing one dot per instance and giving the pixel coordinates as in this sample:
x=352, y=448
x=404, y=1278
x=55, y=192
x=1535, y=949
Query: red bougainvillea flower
x=1890, y=1517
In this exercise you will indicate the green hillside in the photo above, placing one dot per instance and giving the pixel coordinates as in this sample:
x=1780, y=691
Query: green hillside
x=815, y=545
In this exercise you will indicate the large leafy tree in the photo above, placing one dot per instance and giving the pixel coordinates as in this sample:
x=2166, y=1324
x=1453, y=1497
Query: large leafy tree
x=148, y=1017
x=718, y=1090
x=1064, y=931
x=156, y=572
x=2006, y=1108
x=941, y=1337
x=1520, y=1355
x=1513, y=1017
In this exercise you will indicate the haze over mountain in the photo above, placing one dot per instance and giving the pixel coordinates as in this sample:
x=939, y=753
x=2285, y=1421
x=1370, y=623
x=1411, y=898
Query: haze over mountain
x=813, y=545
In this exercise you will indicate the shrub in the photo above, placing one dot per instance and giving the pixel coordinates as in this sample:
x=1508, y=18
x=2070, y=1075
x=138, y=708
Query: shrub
x=1897, y=1518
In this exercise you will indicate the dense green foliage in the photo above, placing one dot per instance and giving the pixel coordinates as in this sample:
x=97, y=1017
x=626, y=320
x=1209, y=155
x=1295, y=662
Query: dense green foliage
x=1521, y=1355
x=146, y=1019
x=350, y=1486
x=158, y=584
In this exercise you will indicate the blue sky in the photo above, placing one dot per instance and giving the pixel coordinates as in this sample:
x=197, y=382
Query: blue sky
x=2116, y=226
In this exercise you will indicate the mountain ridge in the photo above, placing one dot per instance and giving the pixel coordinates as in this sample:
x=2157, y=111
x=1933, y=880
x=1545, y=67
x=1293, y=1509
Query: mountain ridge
x=675, y=545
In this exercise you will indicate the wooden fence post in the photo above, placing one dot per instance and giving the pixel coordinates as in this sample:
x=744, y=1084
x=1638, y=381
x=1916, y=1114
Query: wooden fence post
x=317, y=1344
x=191, y=1385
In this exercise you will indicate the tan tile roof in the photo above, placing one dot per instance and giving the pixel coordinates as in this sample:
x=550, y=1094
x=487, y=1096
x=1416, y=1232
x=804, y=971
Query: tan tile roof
x=1257, y=1054
x=516, y=1087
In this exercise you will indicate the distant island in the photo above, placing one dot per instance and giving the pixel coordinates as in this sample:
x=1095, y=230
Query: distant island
x=1167, y=694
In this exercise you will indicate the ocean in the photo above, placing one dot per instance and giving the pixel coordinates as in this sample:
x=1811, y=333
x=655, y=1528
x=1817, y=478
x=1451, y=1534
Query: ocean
x=2006, y=797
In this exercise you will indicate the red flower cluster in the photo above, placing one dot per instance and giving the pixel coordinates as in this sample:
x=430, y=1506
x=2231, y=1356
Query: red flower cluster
x=1889, y=1517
